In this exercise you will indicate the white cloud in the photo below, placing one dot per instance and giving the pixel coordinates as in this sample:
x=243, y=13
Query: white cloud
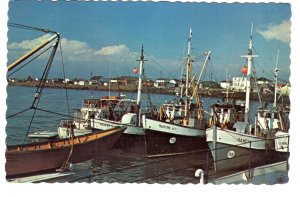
x=113, y=50
x=75, y=50
x=80, y=57
x=280, y=32
x=29, y=44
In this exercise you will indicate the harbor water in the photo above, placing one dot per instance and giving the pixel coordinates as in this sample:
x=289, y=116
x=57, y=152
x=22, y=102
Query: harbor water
x=120, y=164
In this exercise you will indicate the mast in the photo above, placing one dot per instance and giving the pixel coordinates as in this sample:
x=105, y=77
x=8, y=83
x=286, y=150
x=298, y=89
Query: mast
x=276, y=80
x=181, y=84
x=141, y=72
x=227, y=84
x=275, y=92
x=109, y=77
x=249, y=72
x=200, y=75
x=188, y=67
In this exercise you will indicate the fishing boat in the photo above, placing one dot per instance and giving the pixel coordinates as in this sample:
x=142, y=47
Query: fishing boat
x=110, y=107
x=235, y=142
x=180, y=126
x=51, y=155
x=27, y=158
x=131, y=119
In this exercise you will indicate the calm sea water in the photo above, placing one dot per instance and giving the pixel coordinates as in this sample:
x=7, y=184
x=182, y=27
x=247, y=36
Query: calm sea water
x=55, y=100
x=116, y=165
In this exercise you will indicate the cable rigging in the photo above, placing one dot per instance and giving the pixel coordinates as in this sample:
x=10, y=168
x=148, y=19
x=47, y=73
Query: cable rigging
x=36, y=51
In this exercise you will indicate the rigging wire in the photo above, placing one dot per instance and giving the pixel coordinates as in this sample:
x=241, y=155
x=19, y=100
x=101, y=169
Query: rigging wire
x=56, y=113
x=266, y=66
x=256, y=83
x=243, y=62
x=30, y=28
x=64, y=74
x=149, y=102
x=44, y=77
x=10, y=116
x=29, y=61
x=40, y=88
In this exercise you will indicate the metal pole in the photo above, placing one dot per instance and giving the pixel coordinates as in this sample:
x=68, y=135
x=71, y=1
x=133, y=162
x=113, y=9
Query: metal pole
x=215, y=139
x=139, y=93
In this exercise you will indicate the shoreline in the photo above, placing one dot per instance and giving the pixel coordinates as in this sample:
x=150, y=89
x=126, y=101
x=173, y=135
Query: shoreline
x=215, y=93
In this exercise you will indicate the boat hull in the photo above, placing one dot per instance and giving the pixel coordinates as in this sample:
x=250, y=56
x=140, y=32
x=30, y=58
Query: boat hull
x=166, y=144
x=234, y=150
x=63, y=132
x=37, y=157
x=163, y=139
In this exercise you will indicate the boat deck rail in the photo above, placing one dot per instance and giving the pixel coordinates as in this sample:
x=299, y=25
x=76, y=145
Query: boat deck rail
x=65, y=122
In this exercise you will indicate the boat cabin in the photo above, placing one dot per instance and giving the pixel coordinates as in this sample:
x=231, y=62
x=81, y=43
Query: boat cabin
x=265, y=122
x=228, y=114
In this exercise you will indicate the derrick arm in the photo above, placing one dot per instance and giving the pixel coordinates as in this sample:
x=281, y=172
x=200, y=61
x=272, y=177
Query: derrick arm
x=32, y=52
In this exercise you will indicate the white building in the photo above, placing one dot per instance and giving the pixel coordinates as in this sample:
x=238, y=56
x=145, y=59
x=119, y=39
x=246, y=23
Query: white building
x=263, y=80
x=161, y=83
x=239, y=83
x=225, y=84
x=81, y=82
x=66, y=80
x=165, y=83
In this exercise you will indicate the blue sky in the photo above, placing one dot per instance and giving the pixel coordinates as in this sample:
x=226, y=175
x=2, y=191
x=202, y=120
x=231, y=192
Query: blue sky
x=97, y=36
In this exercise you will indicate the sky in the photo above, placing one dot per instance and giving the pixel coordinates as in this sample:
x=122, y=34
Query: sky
x=105, y=38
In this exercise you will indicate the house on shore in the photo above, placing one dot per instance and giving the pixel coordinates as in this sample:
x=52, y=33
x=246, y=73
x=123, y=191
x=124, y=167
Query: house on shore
x=95, y=80
x=166, y=83
x=226, y=84
x=81, y=82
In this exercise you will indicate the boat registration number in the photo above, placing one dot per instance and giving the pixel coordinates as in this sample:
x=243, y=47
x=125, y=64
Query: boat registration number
x=230, y=154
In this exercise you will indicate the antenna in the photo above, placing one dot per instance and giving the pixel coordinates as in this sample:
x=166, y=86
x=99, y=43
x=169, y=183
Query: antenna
x=276, y=69
x=91, y=87
x=251, y=29
x=276, y=80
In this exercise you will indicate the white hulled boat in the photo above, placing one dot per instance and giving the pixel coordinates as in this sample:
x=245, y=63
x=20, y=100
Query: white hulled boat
x=180, y=126
x=83, y=121
x=132, y=118
x=235, y=143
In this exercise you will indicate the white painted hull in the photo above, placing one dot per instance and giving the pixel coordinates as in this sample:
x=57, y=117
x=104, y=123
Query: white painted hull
x=107, y=124
x=236, y=150
x=282, y=141
x=228, y=137
x=172, y=128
